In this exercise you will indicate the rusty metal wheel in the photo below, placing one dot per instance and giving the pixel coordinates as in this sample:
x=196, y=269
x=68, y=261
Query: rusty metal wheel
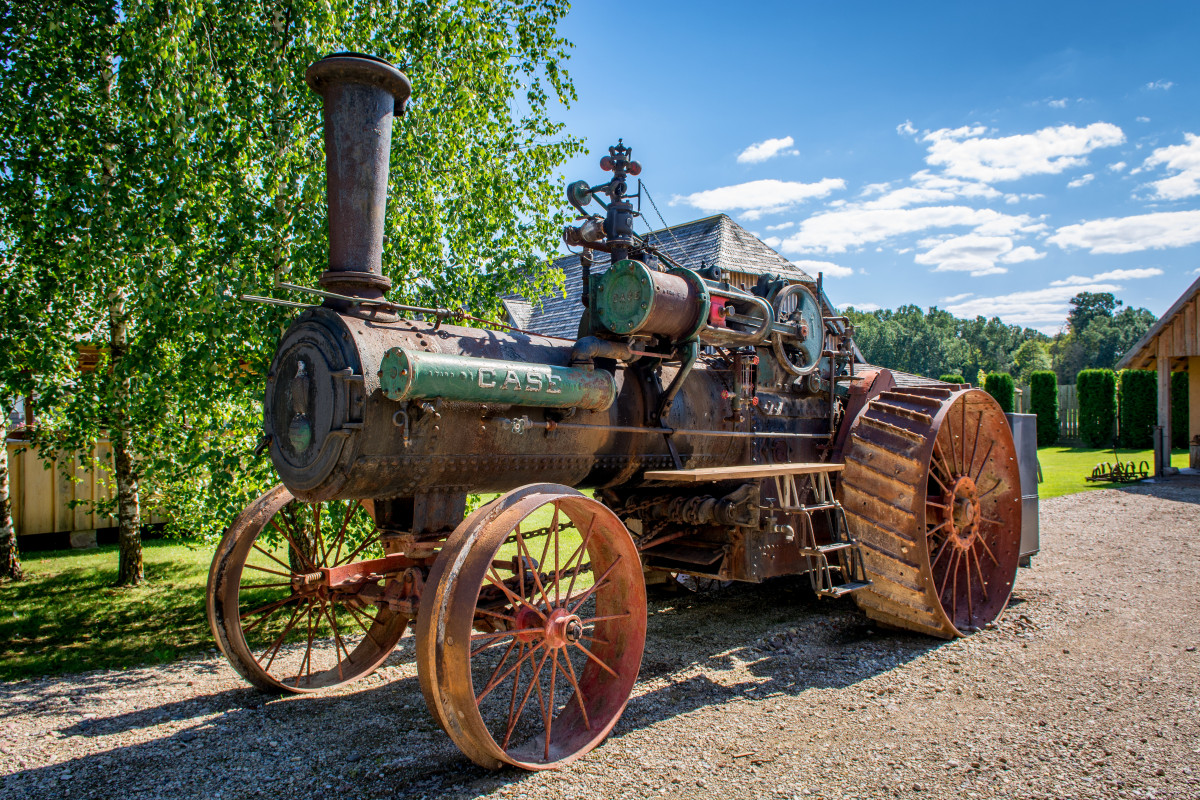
x=530, y=633
x=295, y=594
x=932, y=491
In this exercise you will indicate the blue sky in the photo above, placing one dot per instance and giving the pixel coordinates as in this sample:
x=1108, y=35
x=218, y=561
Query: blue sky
x=986, y=158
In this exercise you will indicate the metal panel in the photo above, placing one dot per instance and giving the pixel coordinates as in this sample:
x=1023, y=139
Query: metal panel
x=1024, y=428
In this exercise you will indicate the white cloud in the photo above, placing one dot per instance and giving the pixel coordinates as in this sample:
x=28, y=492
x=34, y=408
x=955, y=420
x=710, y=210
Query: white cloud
x=906, y=128
x=965, y=153
x=783, y=226
x=773, y=242
x=1040, y=308
x=756, y=198
x=866, y=307
x=1059, y=103
x=1160, y=84
x=872, y=189
x=1111, y=275
x=1130, y=234
x=1117, y=167
x=1019, y=254
x=761, y=151
x=830, y=269
x=1184, y=159
x=978, y=255
x=956, y=297
x=1082, y=180
x=838, y=231
x=1143, y=119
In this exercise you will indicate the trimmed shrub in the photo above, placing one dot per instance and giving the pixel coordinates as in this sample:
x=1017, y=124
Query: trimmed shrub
x=952, y=378
x=1097, y=390
x=1043, y=401
x=1137, y=398
x=1179, y=409
x=1000, y=386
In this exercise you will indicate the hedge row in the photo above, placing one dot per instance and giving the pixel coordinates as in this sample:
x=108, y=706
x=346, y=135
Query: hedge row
x=1139, y=408
x=1043, y=401
x=952, y=378
x=1179, y=409
x=1000, y=386
x=1097, y=390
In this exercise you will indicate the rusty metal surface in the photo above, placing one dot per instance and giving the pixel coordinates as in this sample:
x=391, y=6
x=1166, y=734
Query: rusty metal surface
x=521, y=661
x=361, y=94
x=932, y=489
x=259, y=591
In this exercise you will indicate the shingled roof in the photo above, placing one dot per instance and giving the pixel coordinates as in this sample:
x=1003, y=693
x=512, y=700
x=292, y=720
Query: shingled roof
x=704, y=242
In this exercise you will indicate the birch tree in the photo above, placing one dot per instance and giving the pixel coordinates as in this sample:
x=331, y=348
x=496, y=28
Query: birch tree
x=158, y=159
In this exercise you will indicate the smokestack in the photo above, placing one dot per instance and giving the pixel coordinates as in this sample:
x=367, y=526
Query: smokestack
x=361, y=94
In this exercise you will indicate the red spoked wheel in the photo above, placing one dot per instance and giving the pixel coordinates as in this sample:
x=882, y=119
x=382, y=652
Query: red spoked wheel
x=298, y=594
x=531, y=628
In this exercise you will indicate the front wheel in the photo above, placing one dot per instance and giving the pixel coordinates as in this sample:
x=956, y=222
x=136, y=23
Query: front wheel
x=531, y=629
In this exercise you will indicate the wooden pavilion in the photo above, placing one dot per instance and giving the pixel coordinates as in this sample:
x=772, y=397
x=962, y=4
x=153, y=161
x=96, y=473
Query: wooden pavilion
x=1173, y=345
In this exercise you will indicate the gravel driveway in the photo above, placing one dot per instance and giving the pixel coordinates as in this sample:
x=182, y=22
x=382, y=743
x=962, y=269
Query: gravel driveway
x=1089, y=686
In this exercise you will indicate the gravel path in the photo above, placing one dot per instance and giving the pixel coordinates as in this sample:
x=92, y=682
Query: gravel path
x=1089, y=686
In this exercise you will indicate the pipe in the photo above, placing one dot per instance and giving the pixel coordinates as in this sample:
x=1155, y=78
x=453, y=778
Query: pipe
x=360, y=95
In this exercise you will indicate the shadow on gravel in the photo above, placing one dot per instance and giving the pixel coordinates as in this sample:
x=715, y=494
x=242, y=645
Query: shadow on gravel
x=381, y=742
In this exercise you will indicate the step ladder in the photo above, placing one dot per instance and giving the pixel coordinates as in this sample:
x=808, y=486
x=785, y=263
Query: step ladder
x=843, y=548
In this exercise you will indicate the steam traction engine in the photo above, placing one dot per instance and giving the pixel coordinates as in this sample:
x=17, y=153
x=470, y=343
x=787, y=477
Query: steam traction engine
x=726, y=434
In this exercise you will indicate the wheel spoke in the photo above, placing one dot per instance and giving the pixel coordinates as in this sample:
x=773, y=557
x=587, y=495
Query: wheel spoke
x=504, y=658
x=269, y=607
x=537, y=579
x=372, y=539
x=579, y=555
x=292, y=542
x=497, y=681
x=270, y=571
x=341, y=537
x=938, y=558
x=593, y=657
x=550, y=705
x=979, y=569
x=578, y=692
x=988, y=550
x=273, y=558
x=337, y=637
x=939, y=460
x=591, y=589
x=518, y=601
x=975, y=443
x=534, y=681
x=987, y=454
x=273, y=648
x=949, y=428
x=624, y=615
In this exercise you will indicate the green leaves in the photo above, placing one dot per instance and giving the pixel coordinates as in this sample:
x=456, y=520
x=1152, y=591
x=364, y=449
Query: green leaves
x=171, y=152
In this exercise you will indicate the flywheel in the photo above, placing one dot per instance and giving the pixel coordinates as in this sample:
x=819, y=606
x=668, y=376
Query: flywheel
x=932, y=492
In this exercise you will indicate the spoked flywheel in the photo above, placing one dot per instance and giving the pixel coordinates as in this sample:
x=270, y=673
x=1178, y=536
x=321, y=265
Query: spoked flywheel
x=531, y=629
x=297, y=594
x=932, y=492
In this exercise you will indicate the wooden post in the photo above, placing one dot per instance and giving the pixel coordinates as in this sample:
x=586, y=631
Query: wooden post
x=1194, y=410
x=1162, y=445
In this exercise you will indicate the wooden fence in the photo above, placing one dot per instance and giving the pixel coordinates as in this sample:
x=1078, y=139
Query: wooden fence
x=1068, y=413
x=42, y=498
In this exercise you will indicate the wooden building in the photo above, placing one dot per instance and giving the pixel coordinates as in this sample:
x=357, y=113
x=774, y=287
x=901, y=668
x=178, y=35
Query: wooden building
x=1173, y=345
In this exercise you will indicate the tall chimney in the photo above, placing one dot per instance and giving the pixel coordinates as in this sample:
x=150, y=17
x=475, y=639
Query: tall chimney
x=361, y=94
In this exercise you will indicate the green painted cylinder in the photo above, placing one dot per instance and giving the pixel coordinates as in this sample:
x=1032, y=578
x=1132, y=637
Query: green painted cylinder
x=416, y=375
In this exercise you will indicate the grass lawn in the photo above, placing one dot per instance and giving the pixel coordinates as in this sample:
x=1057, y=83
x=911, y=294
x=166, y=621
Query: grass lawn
x=66, y=616
x=1065, y=469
